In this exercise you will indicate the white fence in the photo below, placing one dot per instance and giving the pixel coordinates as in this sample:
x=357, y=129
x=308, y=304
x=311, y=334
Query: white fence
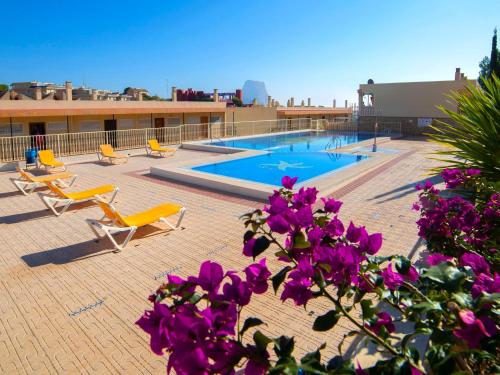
x=13, y=148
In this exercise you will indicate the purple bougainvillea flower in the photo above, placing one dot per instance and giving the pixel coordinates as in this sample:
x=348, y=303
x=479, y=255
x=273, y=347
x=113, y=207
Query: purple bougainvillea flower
x=188, y=359
x=476, y=262
x=257, y=275
x=474, y=329
x=248, y=247
x=288, y=182
x=472, y=172
x=304, y=197
x=210, y=276
x=258, y=362
x=484, y=283
x=354, y=233
x=315, y=235
x=370, y=244
x=393, y=280
x=383, y=320
x=437, y=258
x=278, y=204
x=331, y=205
x=237, y=291
x=415, y=207
x=334, y=228
x=298, y=290
x=304, y=216
x=278, y=224
x=155, y=323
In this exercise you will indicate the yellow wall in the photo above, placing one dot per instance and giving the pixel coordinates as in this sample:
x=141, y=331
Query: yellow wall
x=59, y=124
x=412, y=99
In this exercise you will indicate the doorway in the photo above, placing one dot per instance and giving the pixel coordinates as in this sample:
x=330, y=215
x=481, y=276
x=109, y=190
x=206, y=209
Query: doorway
x=160, y=131
x=204, y=128
x=110, y=129
x=37, y=132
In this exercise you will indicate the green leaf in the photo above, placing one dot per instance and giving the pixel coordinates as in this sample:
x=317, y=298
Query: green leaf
x=426, y=307
x=283, y=346
x=249, y=323
x=300, y=242
x=367, y=309
x=261, y=340
x=278, y=279
x=261, y=244
x=447, y=275
x=326, y=321
x=248, y=235
x=403, y=265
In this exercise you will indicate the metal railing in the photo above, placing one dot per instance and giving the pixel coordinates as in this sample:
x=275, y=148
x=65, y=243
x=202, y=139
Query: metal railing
x=13, y=148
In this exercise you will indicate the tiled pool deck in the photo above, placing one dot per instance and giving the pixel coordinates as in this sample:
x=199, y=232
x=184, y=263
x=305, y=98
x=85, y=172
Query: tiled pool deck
x=68, y=303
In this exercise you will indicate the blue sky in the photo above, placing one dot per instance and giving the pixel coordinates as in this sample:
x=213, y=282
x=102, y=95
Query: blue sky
x=309, y=48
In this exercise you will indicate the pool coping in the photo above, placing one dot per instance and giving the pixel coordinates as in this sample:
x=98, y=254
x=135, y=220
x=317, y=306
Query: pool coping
x=325, y=183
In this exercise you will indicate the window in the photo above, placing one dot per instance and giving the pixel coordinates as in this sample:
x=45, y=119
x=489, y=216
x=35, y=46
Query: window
x=57, y=127
x=125, y=123
x=144, y=122
x=17, y=130
x=90, y=126
x=173, y=121
x=193, y=120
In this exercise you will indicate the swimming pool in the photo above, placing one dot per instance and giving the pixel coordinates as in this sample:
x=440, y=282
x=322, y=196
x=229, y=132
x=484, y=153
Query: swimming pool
x=309, y=141
x=297, y=154
x=269, y=168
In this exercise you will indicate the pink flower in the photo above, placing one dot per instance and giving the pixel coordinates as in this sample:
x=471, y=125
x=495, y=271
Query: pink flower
x=437, y=258
x=331, y=205
x=383, y=320
x=485, y=283
x=476, y=262
x=474, y=329
x=288, y=182
x=257, y=275
x=278, y=224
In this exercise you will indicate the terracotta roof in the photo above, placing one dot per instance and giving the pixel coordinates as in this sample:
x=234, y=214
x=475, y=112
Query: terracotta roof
x=32, y=108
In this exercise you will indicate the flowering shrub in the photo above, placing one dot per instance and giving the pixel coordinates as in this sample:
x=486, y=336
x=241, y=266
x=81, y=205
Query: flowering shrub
x=455, y=225
x=452, y=302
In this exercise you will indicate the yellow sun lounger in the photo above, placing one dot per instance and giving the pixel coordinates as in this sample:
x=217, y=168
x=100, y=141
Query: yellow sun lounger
x=47, y=159
x=154, y=146
x=27, y=182
x=107, y=152
x=113, y=222
x=58, y=196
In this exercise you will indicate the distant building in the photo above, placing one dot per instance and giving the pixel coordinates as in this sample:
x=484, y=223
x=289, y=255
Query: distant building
x=255, y=91
x=413, y=104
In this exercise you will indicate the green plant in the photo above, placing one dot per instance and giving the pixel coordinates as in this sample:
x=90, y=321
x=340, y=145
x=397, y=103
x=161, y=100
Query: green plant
x=473, y=137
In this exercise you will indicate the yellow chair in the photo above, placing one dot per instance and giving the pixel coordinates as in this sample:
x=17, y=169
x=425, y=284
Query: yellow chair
x=154, y=146
x=107, y=152
x=27, y=182
x=47, y=159
x=113, y=222
x=58, y=196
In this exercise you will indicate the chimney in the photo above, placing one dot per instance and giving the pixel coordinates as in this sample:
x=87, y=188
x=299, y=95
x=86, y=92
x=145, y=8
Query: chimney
x=462, y=76
x=308, y=102
x=457, y=74
x=94, y=94
x=302, y=103
x=288, y=103
x=216, y=95
x=346, y=103
x=269, y=101
x=334, y=103
x=38, y=93
x=69, y=90
x=139, y=96
x=292, y=102
x=273, y=102
x=174, y=93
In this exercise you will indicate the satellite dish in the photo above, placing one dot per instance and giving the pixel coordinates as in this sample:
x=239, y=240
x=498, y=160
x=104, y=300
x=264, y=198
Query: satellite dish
x=370, y=81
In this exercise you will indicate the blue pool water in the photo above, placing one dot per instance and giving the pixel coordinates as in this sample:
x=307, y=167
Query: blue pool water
x=309, y=141
x=271, y=167
x=299, y=155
